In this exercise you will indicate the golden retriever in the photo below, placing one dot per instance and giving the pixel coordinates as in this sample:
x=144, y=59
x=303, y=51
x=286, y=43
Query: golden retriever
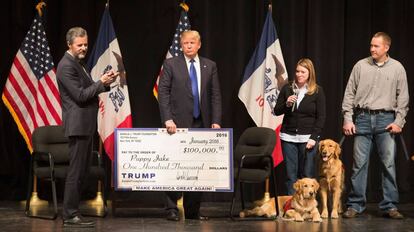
x=304, y=205
x=331, y=177
x=266, y=209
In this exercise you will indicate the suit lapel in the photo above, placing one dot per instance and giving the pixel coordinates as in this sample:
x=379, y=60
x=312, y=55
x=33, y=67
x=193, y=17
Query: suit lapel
x=86, y=74
x=82, y=71
x=204, y=75
x=184, y=69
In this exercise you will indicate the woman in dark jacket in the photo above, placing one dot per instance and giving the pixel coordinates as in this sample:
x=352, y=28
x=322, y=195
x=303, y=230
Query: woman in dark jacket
x=303, y=104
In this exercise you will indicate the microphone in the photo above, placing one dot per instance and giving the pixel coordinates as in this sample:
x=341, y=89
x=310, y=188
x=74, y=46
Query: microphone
x=296, y=93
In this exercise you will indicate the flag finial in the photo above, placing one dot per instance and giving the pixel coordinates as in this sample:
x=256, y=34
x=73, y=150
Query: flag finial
x=270, y=6
x=184, y=6
x=39, y=7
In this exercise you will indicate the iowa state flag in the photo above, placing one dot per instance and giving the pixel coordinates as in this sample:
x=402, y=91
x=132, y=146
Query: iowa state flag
x=264, y=76
x=114, y=108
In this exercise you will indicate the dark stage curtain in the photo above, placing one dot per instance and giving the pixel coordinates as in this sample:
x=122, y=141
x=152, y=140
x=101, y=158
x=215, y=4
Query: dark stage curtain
x=335, y=34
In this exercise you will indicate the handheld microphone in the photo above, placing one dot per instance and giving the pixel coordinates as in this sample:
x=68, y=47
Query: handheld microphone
x=296, y=93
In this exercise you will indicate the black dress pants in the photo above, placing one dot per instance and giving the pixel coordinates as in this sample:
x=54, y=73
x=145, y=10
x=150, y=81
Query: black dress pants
x=80, y=152
x=192, y=200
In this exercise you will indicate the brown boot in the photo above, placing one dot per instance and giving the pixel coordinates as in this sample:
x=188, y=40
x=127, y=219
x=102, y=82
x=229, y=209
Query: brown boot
x=350, y=213
x=393, y=214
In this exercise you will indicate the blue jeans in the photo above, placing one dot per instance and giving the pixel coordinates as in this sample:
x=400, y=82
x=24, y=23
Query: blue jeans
x=300, y=162
x=370, y=129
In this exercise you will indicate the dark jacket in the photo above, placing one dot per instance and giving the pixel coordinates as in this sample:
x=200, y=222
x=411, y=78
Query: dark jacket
x=79, y=97
x=309, y=118
x=176, y=98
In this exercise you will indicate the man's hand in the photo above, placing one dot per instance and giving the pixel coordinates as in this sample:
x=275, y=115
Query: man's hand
x=393, y=128
x=215, y=126
x=109, y=77
x=171, y=127
x=349, y=128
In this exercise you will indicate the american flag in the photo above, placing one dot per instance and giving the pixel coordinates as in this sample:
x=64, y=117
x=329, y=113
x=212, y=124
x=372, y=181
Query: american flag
x=175, y=48
x=31, y=93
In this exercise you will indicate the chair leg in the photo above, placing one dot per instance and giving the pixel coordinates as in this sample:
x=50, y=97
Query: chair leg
x=275, y=191
x=233, y=201
x=114, y=202
x=104, y=198
x=242, y=195
x=55, y=207
x=29, y=190
x=53, y=180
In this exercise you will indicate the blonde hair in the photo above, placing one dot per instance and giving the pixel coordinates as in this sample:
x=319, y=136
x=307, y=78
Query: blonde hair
x=312, y=86
x=191, y=33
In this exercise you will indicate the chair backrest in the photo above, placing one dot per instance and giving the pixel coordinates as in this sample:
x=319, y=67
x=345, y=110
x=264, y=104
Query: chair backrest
x=51, y=139
x=255, y=141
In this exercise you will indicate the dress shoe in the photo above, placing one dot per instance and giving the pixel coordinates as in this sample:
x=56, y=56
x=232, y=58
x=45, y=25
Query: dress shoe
x=197, y=217
x=78, y=222
x=173, y=216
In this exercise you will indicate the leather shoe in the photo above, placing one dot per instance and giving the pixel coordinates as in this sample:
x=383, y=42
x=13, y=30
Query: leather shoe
x=78, y=222
x=173, y=216
x=197, y=217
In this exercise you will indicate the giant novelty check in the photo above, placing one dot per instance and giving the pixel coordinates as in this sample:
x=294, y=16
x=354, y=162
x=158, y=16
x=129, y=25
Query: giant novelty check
x=150, y=159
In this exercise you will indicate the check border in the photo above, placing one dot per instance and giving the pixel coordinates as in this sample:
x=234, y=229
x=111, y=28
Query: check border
x=117, y=187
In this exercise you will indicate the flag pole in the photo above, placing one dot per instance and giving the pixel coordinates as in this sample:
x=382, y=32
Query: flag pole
x=266, y=197
x=34, y=199
x=266, y=200
x=98, y=202
x=180, y=201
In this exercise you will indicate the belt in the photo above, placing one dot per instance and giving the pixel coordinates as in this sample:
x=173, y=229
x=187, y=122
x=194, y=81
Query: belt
x=368, y=111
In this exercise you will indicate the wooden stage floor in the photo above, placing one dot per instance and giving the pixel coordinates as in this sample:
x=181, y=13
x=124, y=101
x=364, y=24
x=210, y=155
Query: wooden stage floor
x=12, y=218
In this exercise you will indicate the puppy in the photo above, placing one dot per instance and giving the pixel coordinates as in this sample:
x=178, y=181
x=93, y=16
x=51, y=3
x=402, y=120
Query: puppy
x=304, y=205
x=331, y=177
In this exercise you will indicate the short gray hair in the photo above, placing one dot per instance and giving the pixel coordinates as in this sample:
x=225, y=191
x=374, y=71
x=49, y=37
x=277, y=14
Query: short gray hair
x=75, y=32
x=385, y=37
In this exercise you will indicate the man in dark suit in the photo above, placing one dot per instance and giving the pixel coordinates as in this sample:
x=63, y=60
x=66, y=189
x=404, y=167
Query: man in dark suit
x=79, y=97
x=189, y=97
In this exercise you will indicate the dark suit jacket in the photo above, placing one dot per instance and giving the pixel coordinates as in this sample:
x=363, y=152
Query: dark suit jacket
x=79, y=97
x=175, y=96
